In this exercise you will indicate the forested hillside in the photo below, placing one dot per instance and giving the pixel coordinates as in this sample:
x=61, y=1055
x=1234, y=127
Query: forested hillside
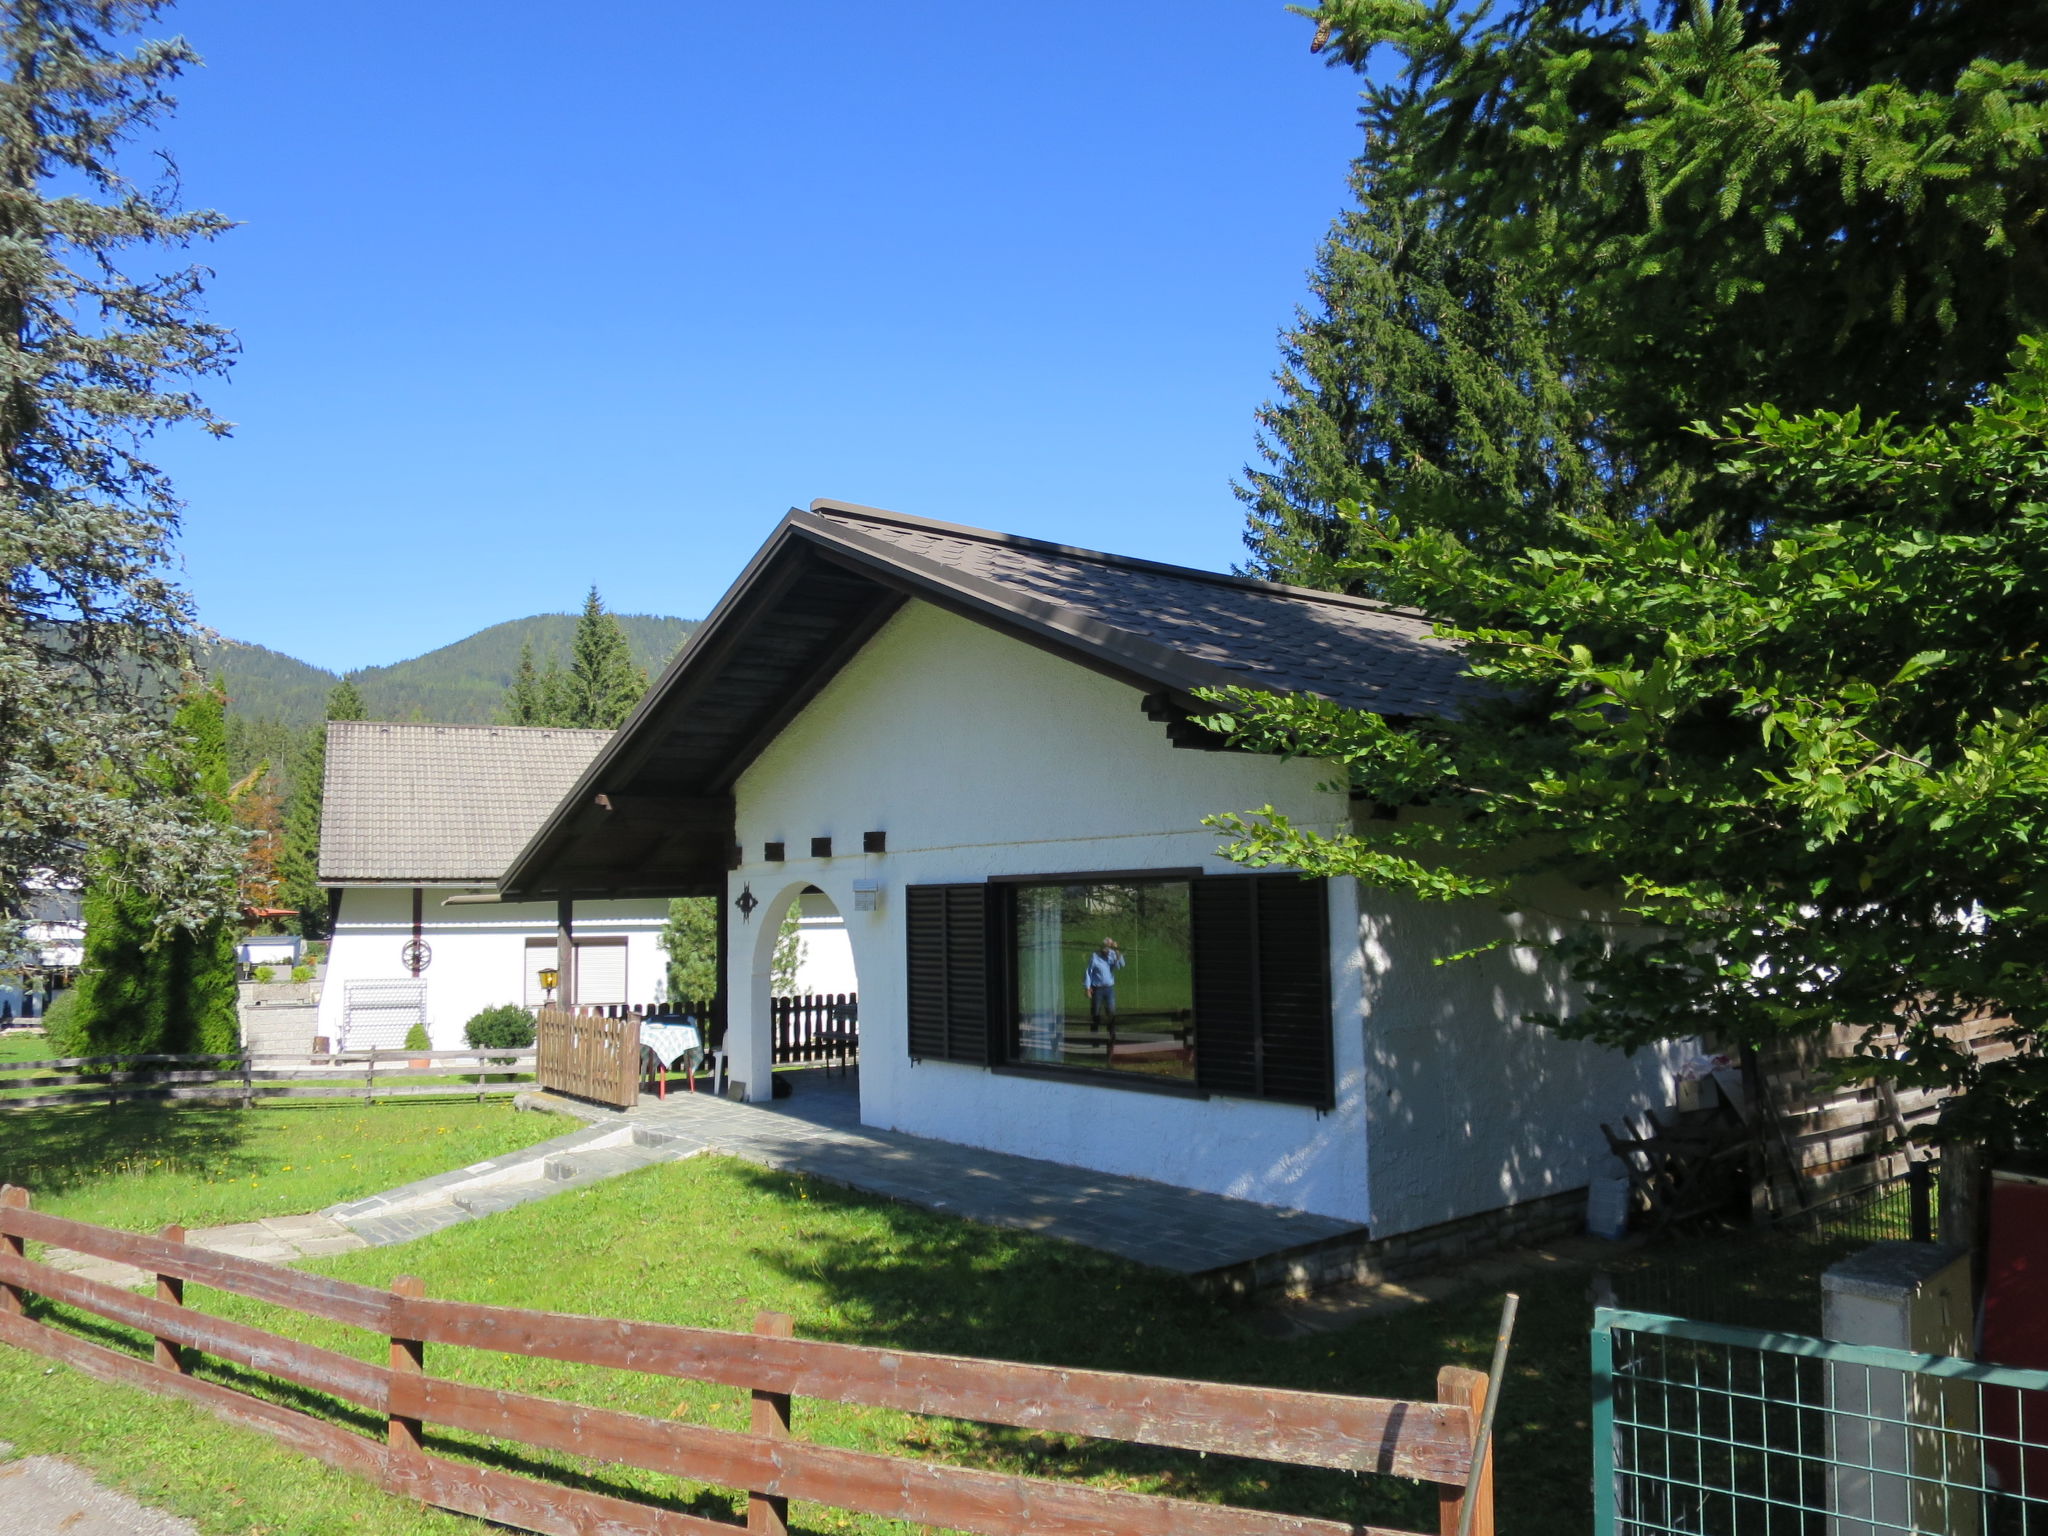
x=459, y=684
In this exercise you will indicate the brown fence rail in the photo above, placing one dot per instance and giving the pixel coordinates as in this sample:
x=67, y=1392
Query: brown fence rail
x=821, y=1026
x=589, y=1053
x=1430, y=1441
x=82, y=1080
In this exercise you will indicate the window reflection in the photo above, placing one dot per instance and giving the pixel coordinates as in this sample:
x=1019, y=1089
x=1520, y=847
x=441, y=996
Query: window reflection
x=1104, y=977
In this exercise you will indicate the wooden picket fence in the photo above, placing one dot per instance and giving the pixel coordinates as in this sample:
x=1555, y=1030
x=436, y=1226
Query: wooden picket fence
x=243, y=1079
x=822, y=1026
x=589, y=1053
x=1431, y=1441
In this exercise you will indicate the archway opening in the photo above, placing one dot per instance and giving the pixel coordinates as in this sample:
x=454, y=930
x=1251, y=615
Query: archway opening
x=806, y=992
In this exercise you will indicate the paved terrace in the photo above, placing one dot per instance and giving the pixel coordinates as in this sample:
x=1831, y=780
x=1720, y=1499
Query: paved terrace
x=817, y=1132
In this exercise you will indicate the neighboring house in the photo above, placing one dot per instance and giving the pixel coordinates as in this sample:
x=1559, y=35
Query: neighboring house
x=49, y=953
x=984, y=751
x=416, y=824
x=415, y=815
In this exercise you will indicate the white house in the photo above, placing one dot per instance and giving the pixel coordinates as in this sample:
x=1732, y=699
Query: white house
x=416, y=823
x=982, y=750
x=49, y=948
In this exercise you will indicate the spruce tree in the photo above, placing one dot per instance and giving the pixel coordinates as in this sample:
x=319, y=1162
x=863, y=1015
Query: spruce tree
x=603, y=683
x=94, y=358
x=300, y=864
x=1808, y=203
x=1426, y=386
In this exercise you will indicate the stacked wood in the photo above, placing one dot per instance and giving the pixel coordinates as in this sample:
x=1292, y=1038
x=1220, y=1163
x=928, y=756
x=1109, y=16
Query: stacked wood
x=1432, y=1441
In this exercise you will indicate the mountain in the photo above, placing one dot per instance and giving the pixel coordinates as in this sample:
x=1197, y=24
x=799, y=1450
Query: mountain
x=459, y=684
x=263, y=684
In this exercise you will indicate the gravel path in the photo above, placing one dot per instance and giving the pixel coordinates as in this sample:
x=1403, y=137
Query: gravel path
x=43, y=1496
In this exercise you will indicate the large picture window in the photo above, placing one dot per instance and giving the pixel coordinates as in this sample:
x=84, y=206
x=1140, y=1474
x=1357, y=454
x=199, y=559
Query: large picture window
x=1104, y=977
x=1175, y=981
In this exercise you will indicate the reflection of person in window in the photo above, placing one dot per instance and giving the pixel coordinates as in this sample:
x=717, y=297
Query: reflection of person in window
x=1100, y=981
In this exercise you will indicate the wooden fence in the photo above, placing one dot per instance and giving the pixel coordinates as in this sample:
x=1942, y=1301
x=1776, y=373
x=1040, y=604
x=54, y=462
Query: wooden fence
x=822, y=1026
x=1427, y=1440
x=242, y=1078
x=589, y=1053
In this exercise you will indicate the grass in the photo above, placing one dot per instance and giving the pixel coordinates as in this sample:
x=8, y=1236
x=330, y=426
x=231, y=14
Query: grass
x=710, y=1241
x=141, y=1165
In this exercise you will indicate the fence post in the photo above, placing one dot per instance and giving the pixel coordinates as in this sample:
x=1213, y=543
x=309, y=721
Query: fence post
x=370, y=1078
x=1604, y=1513
x=767, y=1513
x=408, y=1358
x=1920, y=1188
x=171, y=1291
x=14, y=1198
x=248, y=1081
x=1465, y=1389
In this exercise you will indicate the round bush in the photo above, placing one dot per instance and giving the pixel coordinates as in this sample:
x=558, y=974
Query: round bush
x=507, y=1026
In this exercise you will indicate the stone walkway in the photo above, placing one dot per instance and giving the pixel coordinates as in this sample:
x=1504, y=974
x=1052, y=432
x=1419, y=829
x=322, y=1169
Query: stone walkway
x=816, y=1132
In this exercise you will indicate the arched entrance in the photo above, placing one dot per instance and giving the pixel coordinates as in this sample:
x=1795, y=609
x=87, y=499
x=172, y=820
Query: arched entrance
x=802, y=1001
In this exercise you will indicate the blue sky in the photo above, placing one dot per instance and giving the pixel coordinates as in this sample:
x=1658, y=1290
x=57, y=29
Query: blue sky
x=533, y=297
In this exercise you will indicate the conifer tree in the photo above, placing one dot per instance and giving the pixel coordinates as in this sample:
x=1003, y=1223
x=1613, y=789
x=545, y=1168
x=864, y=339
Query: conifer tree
x=149, y=984
x=1426, y=386
x=1810, y=203
x=94, y=358
x=300, y=864
x=603, y=683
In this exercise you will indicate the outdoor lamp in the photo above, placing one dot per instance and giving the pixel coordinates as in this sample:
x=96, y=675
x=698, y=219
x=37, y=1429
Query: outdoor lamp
x=548, y=977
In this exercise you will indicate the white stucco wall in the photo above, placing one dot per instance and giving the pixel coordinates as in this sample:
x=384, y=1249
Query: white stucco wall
x=1469, y=1108
x=979, y=755
x=479, y=952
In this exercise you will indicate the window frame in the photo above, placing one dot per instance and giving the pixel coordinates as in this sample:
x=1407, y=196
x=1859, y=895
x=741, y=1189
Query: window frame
x=1008, y=980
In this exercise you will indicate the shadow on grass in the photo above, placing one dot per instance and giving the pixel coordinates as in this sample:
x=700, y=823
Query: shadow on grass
x=930, y=1282
x=55, y=1150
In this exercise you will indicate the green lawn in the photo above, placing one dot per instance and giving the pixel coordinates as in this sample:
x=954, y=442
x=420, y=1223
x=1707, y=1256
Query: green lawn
x=710, y=1241
x=142, y=1165
x=23, y=1045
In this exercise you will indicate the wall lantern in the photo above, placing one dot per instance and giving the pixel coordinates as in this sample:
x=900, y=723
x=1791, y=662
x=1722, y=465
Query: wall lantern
x=550, y=978
x=867, y=895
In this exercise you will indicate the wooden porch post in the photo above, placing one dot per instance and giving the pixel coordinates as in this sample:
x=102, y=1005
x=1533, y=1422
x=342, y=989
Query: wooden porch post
x=565, y=951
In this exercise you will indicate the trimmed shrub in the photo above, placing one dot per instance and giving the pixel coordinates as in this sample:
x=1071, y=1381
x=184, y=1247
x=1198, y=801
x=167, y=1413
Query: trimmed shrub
x=302, y=973
x=64, y=1030
x=416, y=1038
x=507, y=1026
x=264, y=973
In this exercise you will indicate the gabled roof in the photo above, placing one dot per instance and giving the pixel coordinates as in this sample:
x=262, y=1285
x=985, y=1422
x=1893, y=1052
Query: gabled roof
x=653, y=812
x=440, y=804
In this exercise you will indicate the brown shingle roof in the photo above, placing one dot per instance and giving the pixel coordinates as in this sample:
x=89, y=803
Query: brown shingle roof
x=1366, y=654
x=440, y=803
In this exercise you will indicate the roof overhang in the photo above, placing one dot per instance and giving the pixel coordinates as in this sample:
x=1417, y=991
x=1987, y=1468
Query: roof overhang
x=653, y=814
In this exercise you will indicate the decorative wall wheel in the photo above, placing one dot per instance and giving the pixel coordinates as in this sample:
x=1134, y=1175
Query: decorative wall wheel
x=416, y=955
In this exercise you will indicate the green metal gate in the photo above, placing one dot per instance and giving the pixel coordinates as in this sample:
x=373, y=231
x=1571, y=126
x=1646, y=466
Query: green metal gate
x=1706, y=1430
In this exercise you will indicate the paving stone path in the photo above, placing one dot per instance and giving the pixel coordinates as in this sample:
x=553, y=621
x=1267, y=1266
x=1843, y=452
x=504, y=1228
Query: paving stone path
x=817, y=1132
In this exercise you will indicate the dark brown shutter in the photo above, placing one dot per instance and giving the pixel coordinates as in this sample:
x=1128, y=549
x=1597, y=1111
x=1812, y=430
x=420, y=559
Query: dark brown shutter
x=1294, y=989
x=947, y=940
x=1226, y=975
x=1262, y=987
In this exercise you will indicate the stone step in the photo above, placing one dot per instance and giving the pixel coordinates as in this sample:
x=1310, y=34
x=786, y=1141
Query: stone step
x=653, y=1136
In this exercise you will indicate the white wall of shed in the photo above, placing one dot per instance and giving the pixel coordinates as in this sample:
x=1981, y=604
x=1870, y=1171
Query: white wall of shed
x=479, y=952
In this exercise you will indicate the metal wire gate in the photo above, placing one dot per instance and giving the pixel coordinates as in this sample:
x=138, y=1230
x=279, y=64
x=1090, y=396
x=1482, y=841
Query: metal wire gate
x=1705, y=1430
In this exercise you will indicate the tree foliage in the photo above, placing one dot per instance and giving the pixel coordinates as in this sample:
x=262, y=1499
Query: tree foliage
x=1814, y=770
x=94, y=359
x=299, y=859
x=598, y=689
x=690, y=940
x=1822, y=205
x=149, y=984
